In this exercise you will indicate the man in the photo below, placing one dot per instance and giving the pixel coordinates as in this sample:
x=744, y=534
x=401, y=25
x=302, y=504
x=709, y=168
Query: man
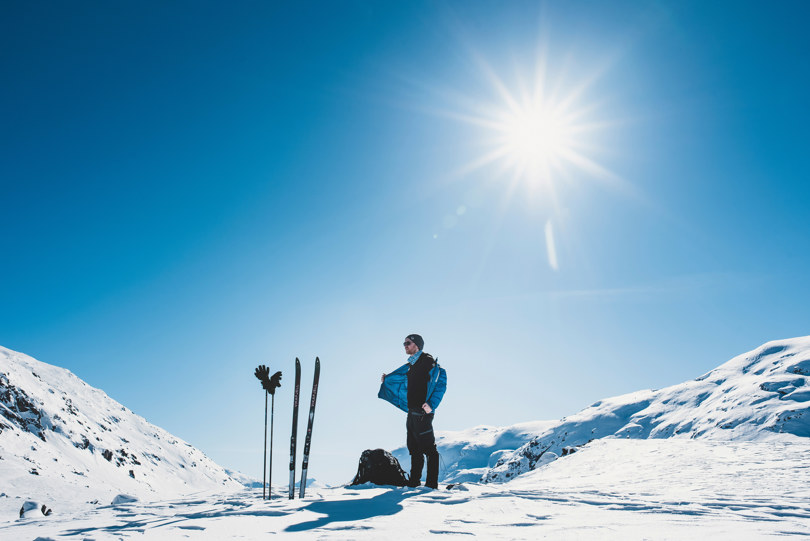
x=417, y=387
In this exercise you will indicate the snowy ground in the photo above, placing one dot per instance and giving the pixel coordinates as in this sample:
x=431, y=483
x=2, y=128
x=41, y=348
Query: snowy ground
x=724, y=456
x=610, y=489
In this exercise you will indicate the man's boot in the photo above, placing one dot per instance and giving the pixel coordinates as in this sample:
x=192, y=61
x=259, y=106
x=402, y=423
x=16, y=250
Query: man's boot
x=432, y=479
x=417, y=461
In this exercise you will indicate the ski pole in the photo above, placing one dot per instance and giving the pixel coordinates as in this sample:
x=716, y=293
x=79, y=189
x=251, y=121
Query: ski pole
x=264, y=460
x=270, y=469
x=269, y=385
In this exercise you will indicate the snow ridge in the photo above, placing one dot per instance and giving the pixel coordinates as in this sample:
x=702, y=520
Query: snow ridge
x=758, y=395
x=62, y=439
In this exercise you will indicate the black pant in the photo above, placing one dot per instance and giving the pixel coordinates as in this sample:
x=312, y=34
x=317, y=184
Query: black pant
x=421, y=441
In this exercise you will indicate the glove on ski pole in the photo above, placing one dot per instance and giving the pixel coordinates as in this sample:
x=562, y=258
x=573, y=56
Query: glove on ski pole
x=269, y=384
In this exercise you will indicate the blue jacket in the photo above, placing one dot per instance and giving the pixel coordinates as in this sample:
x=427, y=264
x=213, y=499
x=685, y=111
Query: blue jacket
x=394, y=388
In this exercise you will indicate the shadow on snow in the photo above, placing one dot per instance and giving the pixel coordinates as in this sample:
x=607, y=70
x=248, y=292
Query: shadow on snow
x=385, y=504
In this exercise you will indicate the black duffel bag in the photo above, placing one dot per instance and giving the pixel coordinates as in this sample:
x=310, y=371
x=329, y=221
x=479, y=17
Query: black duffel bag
x=378, y=466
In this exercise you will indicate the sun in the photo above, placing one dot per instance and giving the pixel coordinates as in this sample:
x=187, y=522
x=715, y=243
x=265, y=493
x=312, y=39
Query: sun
x=536, y=133
x=534, y=138
x=536, y=129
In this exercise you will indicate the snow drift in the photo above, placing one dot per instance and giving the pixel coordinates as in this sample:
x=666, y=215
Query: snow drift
x=63, y=439
x=758, y=395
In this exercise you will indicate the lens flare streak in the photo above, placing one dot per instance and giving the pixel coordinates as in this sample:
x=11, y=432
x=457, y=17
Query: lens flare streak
x=551, y=250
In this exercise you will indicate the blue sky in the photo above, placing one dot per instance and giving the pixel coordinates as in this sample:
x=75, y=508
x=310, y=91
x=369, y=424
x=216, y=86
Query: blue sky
x=190, y=190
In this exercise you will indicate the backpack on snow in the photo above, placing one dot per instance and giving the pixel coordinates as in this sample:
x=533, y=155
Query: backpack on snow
x=380, y=467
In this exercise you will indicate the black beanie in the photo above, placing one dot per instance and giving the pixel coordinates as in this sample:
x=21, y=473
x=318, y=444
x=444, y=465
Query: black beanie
x=416, y=339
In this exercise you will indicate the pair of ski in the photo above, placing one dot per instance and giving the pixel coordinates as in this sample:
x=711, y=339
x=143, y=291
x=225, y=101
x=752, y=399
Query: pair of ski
x=305, y=464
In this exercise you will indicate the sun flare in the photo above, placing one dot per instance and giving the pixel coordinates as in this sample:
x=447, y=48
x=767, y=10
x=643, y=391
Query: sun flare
x=540, y=129
x=534, y=138
x=536, y=132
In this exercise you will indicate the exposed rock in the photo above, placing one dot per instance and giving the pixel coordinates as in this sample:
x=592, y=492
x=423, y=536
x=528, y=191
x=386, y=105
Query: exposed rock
x=18, y=408
x=33, y=509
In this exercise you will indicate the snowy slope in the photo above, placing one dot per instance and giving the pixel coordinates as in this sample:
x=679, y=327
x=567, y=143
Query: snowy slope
x=762, y=394
x=66, y=443
x=612, y=489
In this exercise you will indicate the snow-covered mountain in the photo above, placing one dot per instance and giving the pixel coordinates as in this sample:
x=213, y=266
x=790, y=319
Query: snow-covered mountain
x=466, y=455
x=664, y=486
x=62, y=439
x=759, y=395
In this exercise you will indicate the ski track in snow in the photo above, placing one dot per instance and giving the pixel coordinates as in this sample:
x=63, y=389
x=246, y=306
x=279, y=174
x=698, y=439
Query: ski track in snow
x=611, y=489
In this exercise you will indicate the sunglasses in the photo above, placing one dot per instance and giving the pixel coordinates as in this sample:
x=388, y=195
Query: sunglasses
x=407, y=343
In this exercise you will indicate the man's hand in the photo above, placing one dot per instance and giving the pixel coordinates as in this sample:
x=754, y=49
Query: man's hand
x=427, y=407
x=382, y=379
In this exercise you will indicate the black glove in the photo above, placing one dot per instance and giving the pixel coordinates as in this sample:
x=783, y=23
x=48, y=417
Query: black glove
x=262, y=372
x=274, y=382
x=268, y=384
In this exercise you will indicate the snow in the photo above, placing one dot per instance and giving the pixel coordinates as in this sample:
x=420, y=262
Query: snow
x=726, y=455
x=611, y=489
x=64, y=441
x=755, y=396
x=123, y=498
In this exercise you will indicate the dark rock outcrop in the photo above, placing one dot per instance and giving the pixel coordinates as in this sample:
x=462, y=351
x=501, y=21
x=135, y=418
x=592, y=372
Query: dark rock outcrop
x=20, y=409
